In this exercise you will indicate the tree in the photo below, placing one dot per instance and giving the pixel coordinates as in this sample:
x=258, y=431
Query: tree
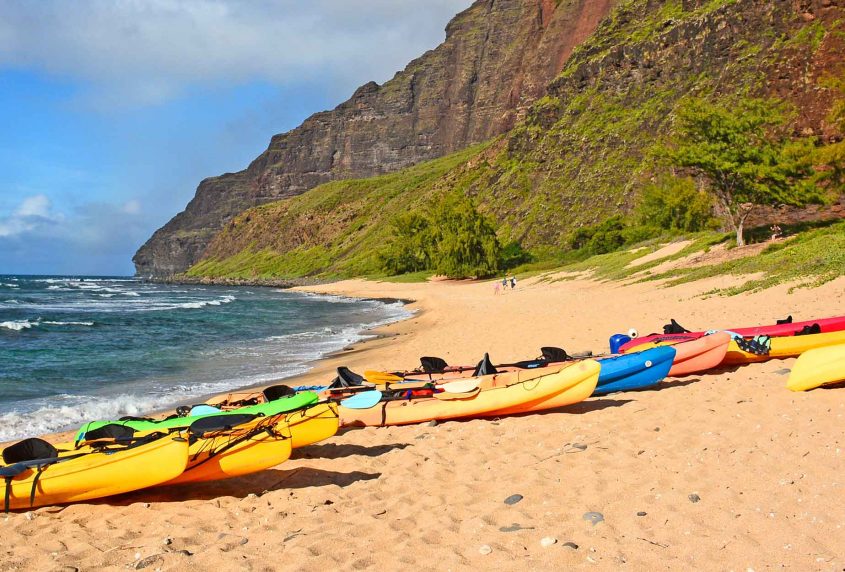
x=832, y=155
x=740, y=149
x=409, y=250
x=464, y=241
x=449, y=237
x=673, y=203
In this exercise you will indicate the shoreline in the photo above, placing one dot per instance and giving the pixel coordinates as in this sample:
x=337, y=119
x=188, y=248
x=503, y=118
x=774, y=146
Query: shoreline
x=724, y=470
x=319, y=368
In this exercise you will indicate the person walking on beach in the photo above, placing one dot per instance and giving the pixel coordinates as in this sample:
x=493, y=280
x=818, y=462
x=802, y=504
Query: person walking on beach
x=504, y=284
x=496, y=289
x=513, y=282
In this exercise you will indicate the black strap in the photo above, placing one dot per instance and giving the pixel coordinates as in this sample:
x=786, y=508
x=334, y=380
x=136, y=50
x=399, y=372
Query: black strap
x=383, y=413
x=809, y=330
x=8, y=494
x=34, y=485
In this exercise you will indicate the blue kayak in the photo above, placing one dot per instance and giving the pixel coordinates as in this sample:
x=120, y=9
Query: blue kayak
x=636, y=370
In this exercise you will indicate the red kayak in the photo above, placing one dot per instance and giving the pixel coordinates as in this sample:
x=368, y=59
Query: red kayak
x=787, y=329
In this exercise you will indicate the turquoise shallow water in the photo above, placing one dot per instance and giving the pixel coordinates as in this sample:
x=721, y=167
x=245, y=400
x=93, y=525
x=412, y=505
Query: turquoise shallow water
x=73, y=349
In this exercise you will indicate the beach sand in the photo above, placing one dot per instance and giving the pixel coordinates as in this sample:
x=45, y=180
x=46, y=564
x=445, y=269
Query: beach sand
x=726, y=471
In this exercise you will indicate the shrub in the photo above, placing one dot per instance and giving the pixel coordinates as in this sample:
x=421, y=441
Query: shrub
x=450, y=237
x=675, y=204
x=409, y=251
x=512, y=255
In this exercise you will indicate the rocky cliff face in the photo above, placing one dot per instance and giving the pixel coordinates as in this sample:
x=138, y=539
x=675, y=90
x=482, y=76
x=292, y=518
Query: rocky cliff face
x=582, y=151
x=497, y=59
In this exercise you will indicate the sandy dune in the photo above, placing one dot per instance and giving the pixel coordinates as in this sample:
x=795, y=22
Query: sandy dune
x=725, y=471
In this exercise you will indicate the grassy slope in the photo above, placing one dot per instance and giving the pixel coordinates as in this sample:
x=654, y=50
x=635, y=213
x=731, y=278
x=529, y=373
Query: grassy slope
x=580, y=155
x=331, y=231
x=810, y=258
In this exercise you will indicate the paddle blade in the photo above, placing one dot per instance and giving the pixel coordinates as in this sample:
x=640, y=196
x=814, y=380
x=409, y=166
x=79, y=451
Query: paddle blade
x=364, y=400
x=381, y=377
x=461, y=386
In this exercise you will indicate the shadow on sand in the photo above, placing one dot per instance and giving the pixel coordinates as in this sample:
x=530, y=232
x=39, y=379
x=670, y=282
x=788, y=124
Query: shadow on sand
x=239, y=487
x=336, y=451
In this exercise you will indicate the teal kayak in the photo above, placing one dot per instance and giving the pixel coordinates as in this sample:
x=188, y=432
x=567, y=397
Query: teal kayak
x=281, y=405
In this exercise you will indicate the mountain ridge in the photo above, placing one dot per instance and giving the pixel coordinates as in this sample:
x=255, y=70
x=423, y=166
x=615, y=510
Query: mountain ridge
x=497, y=58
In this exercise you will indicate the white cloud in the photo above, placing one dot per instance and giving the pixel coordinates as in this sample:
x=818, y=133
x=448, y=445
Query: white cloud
x=36, y=206
x=31, y=214
x=135, y=52
x=132, y=207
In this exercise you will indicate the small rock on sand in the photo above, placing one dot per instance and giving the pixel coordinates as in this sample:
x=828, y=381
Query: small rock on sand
x=594, y=517
x=694, y=498
x=548, y=541
x=571, y=545
x=642, y=513
x=513, y=499
x=485, y=549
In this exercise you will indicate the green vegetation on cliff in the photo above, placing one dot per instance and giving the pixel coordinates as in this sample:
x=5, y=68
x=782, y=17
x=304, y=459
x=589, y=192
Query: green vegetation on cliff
x=335, y=230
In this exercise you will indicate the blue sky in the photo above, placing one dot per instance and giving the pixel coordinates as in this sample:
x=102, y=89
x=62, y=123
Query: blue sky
x=111, y=112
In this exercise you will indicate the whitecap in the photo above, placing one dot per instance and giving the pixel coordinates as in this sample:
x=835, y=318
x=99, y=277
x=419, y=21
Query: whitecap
x=18, y=325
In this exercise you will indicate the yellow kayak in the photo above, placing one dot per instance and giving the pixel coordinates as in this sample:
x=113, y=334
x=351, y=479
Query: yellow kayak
x=234, y=451
x=487, y=395
x=309, y=426
x=784, y=347
x=818, y=367
x=68, y=475
x=257, y=445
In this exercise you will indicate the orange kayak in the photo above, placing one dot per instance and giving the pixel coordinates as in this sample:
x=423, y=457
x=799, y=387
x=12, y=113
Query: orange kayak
x=499, y=393
x=694, y=356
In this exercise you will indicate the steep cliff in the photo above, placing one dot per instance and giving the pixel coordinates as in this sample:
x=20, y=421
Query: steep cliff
x=582, y=151
x=497, y=59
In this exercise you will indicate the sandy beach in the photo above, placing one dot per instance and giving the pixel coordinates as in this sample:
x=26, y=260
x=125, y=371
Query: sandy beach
x=726, y=471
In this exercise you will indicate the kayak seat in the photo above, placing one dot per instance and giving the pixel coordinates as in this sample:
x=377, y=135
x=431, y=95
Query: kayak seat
x=553, y=354
x=432, y=364
x=674, y=327
x=787, y=320
x=275, y=392
x=347, y=378
x=484, y=367
x=31, y=449
x=808, y=330
x=215, y=423
x=110, y=431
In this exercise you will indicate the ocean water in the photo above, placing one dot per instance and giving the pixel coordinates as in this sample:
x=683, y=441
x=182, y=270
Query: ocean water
x=73, y=349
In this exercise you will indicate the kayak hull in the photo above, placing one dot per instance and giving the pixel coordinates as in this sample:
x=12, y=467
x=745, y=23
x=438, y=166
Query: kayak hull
x=817, y=367
x=97, y=474
x=500, y=393
x=694, y=355
x=833, y=324
x=637, y=370
x=785, y=347
x=312, y=425
x=213, y=458
x=569, y=396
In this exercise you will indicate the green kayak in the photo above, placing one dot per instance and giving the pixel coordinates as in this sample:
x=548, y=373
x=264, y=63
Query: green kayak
x=281, y=405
